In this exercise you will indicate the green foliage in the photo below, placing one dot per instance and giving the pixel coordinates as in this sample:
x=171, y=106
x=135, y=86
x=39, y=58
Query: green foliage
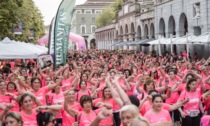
x=106, y=17
x=25, y=11
x=109, y=14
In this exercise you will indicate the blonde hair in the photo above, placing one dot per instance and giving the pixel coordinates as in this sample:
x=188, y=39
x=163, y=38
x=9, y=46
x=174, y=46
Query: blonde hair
x=15, y=116
x=140, y=121
x=131, y=108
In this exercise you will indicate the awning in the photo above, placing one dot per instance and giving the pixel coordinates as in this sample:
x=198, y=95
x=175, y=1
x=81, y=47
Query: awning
x=122, y=43
x=202, y=39
x=142, y=41
x=115, y=43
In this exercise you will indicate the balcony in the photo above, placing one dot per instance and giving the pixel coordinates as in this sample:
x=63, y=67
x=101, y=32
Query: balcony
x=134, y=8
x=147, y=15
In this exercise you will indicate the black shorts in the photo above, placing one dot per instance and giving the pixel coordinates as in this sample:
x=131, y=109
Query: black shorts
x=176, y=115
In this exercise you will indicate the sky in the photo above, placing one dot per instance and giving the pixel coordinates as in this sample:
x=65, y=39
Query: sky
x=49, y=8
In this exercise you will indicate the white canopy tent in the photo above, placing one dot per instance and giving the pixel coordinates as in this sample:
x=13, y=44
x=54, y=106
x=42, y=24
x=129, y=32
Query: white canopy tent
x=10, y=49
x=202, y=39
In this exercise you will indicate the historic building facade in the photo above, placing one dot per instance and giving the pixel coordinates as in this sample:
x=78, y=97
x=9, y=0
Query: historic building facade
x=84, y=19
x=153, y=18
x=135, y=21
x=183, y=17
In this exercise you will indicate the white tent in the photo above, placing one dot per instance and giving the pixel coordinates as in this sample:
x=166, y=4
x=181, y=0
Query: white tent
x=18, y=50
x=202, y=39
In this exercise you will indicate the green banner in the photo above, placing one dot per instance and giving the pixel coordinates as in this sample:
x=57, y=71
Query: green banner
x=62, y=31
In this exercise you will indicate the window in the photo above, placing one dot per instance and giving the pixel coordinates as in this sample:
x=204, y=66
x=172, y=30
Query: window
x=88, y=11
x=93, y=11
x=93, y=29
x=98, y=11
x=83, y=30
x=93, y=20
x=83, y=20
x=78, y=11
x=82, y=11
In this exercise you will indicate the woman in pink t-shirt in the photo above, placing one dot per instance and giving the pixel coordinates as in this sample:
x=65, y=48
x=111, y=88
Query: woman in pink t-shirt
x=57, y=98
x=39, y=91
x=4, y=98
x=28, y=113
x=70, y=101
x=87, y=115
x=157, y=114
x=83, y=91
x=13, y=90
x=191, y=111
x=105, y=101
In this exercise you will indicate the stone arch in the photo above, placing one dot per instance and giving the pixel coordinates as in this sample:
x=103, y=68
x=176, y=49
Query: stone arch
x=152, y=30
x=171, y=26
x=92, y=44
x=126, y=29
x=132, y=28
x=162, y=27
x=86, y=42
x=146, y=32
x=183, y=25
x=116, y=37
x=121, y=30
x=139, y=34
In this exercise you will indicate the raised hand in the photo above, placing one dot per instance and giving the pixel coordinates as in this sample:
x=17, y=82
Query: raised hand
x=104, y=113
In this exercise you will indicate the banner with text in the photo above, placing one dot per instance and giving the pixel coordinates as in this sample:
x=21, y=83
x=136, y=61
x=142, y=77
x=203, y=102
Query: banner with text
x=62, y=30
x=51, y=41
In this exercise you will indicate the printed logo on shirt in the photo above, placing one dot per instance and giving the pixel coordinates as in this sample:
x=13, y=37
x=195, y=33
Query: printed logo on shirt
x=194, y=100
x=39, y=97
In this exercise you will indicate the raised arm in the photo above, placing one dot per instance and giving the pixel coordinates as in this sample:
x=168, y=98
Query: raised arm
x=53, y=85
x=120, y=91
x=114, y=93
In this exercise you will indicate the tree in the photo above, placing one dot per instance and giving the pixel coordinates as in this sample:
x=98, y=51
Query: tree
x=106, y=17
x=109, y=14
x=25, y=11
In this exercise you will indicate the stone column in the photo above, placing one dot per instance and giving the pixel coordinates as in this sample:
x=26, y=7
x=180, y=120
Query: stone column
x=130, y=39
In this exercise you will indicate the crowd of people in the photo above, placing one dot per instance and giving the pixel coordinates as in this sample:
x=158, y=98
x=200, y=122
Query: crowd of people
x=106, y=88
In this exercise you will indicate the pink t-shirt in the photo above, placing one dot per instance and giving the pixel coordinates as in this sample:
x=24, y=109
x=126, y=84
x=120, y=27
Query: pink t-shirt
x=205, y=120
x=148, y=106
x=107, y=121
x=174, y=95
x=29, y=120
x=142, y=96
x=58, y=99
x=87, y=119
x=68, y=120
x=4, y=100
x=194, y=100
x=12, y=64
x=41, y=94
x=162, y=116
x=15, y=107
x=101, y=86
x=79, y=94
x=67, y=84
